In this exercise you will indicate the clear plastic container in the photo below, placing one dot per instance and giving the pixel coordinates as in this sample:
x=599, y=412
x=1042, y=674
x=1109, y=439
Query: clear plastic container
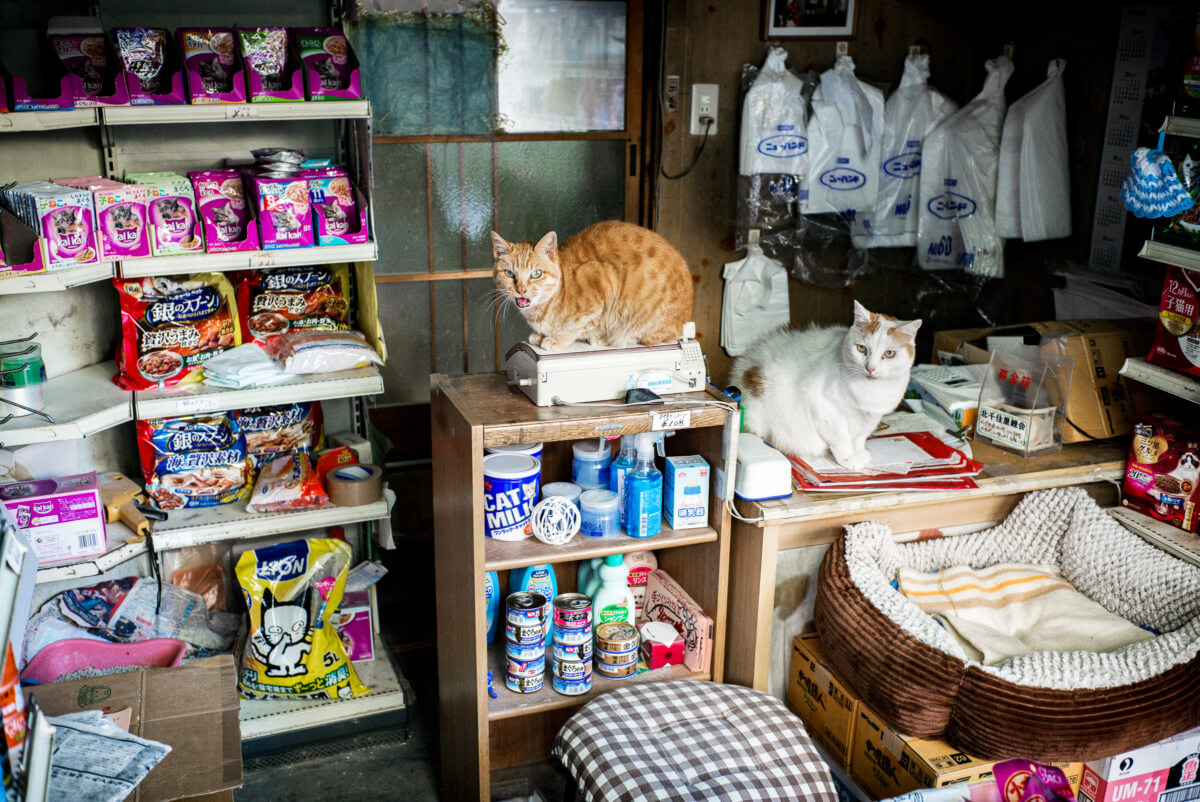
x=590, y=468
x=601, y=514
x=568, y=490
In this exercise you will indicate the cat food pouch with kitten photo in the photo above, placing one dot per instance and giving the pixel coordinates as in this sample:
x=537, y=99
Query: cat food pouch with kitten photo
x=314, y=298
x=68, y=226
x=174, y=227
x=292, y=651
x=213, y=72
x=221, y=196
x=284, y=212
x=326, y=53
x=336, y=216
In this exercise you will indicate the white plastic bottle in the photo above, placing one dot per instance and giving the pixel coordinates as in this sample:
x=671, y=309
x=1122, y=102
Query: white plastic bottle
x=613, y=601
x=639, y=564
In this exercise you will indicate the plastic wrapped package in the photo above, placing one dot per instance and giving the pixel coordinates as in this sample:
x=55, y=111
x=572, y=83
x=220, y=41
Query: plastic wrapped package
x=204, y=570
x=1033, y=185
x=913, y=110
x=321, y=351
x=755, y=301
x=957, y=223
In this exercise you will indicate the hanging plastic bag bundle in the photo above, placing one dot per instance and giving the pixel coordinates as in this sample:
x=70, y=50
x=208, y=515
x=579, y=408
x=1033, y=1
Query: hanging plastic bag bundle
x=845, y=136
x=1033, y=187
x=913, y=110
x=755, y=301
x=957, y=223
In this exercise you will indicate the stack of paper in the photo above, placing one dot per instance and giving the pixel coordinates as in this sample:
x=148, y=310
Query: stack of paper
x=909, y=461
x=244, y=366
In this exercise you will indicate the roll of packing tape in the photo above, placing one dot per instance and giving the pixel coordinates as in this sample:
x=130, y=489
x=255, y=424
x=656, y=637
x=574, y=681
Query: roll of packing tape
x=354, y=485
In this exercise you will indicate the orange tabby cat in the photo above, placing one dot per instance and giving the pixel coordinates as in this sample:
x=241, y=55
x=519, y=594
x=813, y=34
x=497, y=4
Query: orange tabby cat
x=613, y=283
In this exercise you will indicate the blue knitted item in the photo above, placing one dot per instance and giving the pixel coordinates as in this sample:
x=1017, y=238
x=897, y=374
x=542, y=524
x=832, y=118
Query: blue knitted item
x=1153, y=189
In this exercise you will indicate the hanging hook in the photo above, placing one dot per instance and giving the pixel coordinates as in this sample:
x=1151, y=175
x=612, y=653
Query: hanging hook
x=21, y=340
x=30, y=410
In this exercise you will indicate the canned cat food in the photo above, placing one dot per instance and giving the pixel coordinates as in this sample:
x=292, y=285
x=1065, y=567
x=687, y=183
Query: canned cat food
x=524, y=651
x=527, y=668
x=573, y=637
x=532, y=633
x=524, y=684
x=570, y=669
x=510, y=489
x=526, y=609
x=572, y=651
x=617, y=672
x=572, y=611
x=617, y=637
x=571, y=687
x=615, y=658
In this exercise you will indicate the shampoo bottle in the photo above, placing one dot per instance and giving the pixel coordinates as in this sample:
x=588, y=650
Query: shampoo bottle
x=644, y=492
x=625, y=462
x=491, y=596
x=613, y=601
x=537, y=579
x=639, y=564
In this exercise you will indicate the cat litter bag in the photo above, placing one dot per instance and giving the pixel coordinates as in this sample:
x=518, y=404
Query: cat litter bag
x=1033, y=185
x=957, y=223
x=292, y=650
x=913, y=110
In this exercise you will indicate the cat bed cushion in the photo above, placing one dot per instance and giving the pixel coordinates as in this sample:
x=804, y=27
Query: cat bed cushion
x=1049, y=705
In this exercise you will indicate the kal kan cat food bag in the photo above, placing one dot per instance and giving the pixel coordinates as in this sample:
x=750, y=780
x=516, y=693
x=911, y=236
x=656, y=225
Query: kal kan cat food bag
x=174, y=227
x=121, y=231
x=222, y=201
x=284, y=214
x=292, y=651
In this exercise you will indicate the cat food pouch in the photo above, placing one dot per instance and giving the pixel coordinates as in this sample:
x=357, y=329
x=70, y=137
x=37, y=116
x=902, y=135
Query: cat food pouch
x=314, y=297
x=336, y=216
x=292, y=651
x=66, y=222
x=210, y=64
x=143, y=52
x=121, y=217
x=1177, y=335
x=86, y=55
x=284, y=216
x=325, y=52
x=193, y=461
x=270, y=74
x=221, y=196
x=288, y=482
x=170, y=326
x=174, y=227
x=270, y=431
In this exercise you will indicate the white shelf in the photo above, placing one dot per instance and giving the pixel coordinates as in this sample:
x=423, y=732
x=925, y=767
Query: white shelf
x=82, y=403
x=1170, y=539
x=1181, y=126
x=1177, y=255
x=46, y=120
x=119, y=552
x=58, y=280
x=235, y=112
x=246, y=260
x=1165, y=379
x=198, y=397
x=192, y=527
x=261, y=718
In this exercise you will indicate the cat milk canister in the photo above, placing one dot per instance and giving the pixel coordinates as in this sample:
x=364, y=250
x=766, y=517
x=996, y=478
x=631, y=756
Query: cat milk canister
x=510, y=489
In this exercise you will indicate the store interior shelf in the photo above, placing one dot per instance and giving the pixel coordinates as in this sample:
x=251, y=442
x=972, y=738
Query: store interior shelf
x=82, y=403
x=502, y=555
x=1165, y=379
x=233, y=112
x=262, y=718
x=190, y=399
x=119, y=552
x=58, y=280
x=1181, y=126
x=510, y=704
x=1188, y=258
x=246, y=260
x=47, y=120
x=1170, y=539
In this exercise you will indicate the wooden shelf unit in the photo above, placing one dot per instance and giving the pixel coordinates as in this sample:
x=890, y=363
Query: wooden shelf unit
x=471, y=413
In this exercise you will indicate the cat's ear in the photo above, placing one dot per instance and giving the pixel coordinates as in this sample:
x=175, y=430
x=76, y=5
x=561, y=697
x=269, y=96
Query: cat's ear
x=268, y=599
x=861, y=315
x=500, y=246
x=548, y=247
x=908, y=328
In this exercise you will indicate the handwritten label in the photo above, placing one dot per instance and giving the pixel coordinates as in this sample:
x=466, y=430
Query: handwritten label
x=263, y=259
x=666, y=421
x=198, y=404
x=240, y=112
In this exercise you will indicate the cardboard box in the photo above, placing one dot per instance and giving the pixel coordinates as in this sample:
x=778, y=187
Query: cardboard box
x=64, y=517
x=1099, y=404
x=194, y=708
x=685, y=492
x=817, y=695
x=1147, y=774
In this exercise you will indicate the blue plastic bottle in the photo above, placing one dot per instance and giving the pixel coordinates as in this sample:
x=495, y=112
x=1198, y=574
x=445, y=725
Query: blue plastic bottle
x=644, y=492
x=491, y=595
x=625, y=462
x=537, y=579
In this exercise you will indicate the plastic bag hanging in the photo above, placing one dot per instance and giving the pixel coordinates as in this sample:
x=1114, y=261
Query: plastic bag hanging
x=1033, y=187
x=913, y=110
x=755, y=301
x=957, y=222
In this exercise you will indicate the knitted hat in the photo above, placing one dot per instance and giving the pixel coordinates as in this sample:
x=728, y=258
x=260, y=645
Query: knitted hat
x=1153, y=189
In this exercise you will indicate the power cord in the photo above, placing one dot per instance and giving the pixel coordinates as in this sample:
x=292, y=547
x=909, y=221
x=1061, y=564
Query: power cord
x=708, y=123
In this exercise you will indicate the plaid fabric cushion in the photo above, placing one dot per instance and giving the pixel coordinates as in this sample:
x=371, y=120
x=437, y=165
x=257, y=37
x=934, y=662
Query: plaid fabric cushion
x=691, y=740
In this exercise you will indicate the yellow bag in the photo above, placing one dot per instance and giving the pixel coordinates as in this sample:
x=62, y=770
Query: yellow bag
x=292, y=650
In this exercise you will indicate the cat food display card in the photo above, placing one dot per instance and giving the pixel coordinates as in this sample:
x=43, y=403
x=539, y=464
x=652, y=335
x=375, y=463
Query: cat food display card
x=174, y=227
x=284, y=216
x=1162, y=472
x=330, y=67
x=101, y=82
x=121, y=215
x=1177, y=337
x=222, y=200
x=210, y=62
x=339, y=217
x=152, y=68
x=272, y=73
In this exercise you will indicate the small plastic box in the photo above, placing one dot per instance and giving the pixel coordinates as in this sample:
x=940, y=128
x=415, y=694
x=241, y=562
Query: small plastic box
x=685, y=492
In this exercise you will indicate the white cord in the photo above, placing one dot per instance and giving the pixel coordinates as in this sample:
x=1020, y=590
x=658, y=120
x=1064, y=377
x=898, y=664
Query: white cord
x=663, y=402
x=733, y=511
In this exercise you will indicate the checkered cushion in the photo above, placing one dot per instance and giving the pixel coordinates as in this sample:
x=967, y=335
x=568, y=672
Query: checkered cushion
x=691, y=740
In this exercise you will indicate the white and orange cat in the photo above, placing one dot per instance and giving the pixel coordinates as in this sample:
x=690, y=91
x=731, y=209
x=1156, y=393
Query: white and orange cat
x=822, y=391
x=612, y=284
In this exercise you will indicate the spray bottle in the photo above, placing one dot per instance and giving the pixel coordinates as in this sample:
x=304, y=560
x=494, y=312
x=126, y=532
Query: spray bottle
x=644, y=491
x=537, y=579
x=625, y=462
x=613, y=601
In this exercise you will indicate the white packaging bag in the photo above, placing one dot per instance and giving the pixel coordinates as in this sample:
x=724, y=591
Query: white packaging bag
x=1033, y=188
x=845, y=137
x=773, y=121
x=913, y=110
x=957, y=223
x=755, y=302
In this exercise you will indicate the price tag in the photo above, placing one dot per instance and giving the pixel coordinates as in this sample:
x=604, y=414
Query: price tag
x=666, y=421
x=240, y=112
x=198, y=404
x=263, y=259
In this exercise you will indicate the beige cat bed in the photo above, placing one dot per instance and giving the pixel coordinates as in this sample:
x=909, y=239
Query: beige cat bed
x=1045, y=705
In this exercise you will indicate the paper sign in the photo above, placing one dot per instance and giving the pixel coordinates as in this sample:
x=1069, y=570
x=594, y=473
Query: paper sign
x=665, y=421
x=240, y=112
x=198, y=404
x=262, y=259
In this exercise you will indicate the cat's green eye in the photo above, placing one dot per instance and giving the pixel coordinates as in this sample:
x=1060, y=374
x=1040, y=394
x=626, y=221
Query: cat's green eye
x=536, y=274
x=888, y=354
x=510, y=274
x=862, y=349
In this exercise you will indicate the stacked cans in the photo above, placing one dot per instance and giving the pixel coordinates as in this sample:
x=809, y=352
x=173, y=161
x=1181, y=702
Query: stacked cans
x=525, y=641
x=571, y=657
x=616, y=649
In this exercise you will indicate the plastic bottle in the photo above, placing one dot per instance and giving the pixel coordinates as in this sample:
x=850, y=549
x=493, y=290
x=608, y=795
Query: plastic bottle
x=613, y=601
x=593, y=577
x=625, y=462
x=537, y=579
x=644, y=492
x=491, y=596
x=639, y=565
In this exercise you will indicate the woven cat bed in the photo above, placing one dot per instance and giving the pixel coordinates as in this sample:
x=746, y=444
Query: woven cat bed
x=1061, y=706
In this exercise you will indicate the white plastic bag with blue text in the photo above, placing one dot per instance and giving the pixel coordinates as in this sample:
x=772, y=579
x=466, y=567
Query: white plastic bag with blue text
x=773, y=121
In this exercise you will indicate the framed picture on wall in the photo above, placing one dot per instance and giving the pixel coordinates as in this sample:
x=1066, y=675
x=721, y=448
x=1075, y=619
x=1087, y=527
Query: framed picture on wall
x=809, y=19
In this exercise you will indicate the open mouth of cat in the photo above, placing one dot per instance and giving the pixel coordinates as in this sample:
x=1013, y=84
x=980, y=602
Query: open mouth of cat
x=522, y=302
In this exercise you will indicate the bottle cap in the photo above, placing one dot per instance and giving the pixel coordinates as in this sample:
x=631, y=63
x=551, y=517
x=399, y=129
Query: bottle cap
x=614, y=559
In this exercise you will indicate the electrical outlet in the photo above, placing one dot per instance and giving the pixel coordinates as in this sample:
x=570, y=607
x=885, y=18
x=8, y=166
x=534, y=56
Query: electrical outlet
x=671, y=95
x=704, y=104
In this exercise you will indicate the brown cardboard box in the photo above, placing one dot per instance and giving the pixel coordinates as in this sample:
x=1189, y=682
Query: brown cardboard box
x=194, y=708
x=1099, y=404
x=818, y=696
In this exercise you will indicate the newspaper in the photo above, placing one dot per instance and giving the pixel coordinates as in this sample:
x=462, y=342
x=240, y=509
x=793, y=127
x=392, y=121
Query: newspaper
x=96, y=760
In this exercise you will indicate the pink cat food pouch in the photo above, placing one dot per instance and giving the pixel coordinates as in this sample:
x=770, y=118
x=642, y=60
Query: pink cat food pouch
x=222, y=202
x=1026, y=781
x=270, y=74
x=174, y=227
x=211, y=66
x=87, y=56
x=121, y=215
x=336, y=216
x=67, y=226
x=329, y=65
x=284, y=216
